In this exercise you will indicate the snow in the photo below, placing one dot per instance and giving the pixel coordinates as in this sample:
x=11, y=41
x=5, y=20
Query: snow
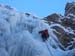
x=19, y=36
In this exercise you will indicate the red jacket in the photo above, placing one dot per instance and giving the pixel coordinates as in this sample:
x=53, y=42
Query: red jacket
x=44, y=34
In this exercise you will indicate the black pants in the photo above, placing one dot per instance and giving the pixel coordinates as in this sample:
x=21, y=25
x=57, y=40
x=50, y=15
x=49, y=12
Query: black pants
x=45, y=37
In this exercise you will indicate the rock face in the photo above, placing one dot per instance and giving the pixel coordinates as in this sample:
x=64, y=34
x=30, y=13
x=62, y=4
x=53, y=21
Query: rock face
x=53, y=18
x=67, y=22
x=63, y=36
x=70, y=8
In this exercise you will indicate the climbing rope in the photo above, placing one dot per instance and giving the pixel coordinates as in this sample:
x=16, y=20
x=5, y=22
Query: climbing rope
x=49, y=48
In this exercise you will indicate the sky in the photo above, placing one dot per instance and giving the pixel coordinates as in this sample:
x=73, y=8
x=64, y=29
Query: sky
x=40, y=8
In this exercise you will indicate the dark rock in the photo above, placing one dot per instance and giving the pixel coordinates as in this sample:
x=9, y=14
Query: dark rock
x=53, y=18
x=63, y=36
x=27, y=14
x=69, y=21
x=70, y=8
